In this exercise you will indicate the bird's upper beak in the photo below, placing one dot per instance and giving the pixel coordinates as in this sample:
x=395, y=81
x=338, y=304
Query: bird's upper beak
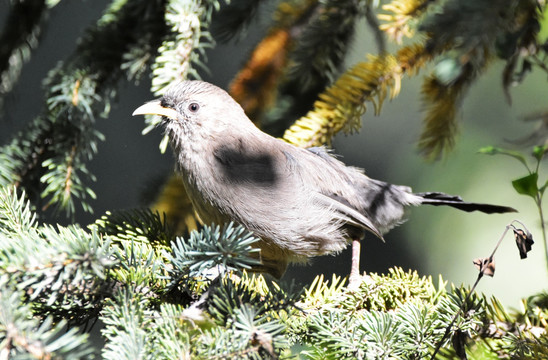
x=155, y=108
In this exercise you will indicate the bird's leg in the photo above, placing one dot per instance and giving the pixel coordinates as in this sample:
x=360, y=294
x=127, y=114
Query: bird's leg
x=354, y=278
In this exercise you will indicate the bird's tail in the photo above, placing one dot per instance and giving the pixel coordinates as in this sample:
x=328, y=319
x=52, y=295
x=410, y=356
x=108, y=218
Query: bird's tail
x=437, y=198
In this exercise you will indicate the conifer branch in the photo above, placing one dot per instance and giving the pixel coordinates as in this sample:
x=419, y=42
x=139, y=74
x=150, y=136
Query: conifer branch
x=63, y=271
x=49, y=264
x=341, y=106
x=183, y=47
x=400, y=16
x=255, y=86
x=322, y=43
x=265, y=65
x=216, y=249
x=301, y=53
x=19, y=38
x=16, y=217
x=440, y=121
x=127, y=323
x=468, y=47
x=233, y=19
x=26, y=337
x=141, y=225
x=162, y=296
x=50, y=154
x=158, y=304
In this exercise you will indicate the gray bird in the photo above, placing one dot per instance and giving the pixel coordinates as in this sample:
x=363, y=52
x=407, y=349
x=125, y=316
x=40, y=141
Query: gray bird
x=299, y=202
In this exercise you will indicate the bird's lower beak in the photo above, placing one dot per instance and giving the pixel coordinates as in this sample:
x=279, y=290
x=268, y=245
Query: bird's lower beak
x=155, y=108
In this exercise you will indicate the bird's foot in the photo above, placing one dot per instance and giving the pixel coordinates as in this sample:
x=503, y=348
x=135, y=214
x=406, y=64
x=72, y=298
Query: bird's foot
x=354, y=280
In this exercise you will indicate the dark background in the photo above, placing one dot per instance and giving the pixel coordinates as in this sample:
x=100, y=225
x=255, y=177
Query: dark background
x=434, y=240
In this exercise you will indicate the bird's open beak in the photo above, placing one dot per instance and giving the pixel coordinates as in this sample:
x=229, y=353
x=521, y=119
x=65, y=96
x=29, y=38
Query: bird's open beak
x=155, y=108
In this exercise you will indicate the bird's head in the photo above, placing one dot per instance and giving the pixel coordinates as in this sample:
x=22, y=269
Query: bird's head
x=191, y=109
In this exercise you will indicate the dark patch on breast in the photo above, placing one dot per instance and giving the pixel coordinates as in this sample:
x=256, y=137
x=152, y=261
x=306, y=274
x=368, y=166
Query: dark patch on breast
x=240, y=165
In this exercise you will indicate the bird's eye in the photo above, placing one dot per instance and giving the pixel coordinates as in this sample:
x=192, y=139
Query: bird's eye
x=193, y=107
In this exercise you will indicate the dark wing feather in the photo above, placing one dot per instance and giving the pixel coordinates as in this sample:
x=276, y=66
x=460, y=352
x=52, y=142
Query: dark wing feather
x=438, y=198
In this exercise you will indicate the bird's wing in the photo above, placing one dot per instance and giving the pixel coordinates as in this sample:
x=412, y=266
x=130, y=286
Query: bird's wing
x=327, y=180
x=347, y=215
x=292, y=175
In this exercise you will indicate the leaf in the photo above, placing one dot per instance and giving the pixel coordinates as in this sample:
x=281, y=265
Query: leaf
x=527, y=185
x=539, y=151
x=492, y=150
x=543, y=187
x=524, y=242
x=485, y=266
x=543, y=32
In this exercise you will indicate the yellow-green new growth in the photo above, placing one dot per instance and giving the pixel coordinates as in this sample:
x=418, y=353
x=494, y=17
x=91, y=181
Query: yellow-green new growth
x=341, y=106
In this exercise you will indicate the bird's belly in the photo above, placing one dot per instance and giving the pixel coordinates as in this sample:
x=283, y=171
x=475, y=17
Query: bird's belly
x=287, y=234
